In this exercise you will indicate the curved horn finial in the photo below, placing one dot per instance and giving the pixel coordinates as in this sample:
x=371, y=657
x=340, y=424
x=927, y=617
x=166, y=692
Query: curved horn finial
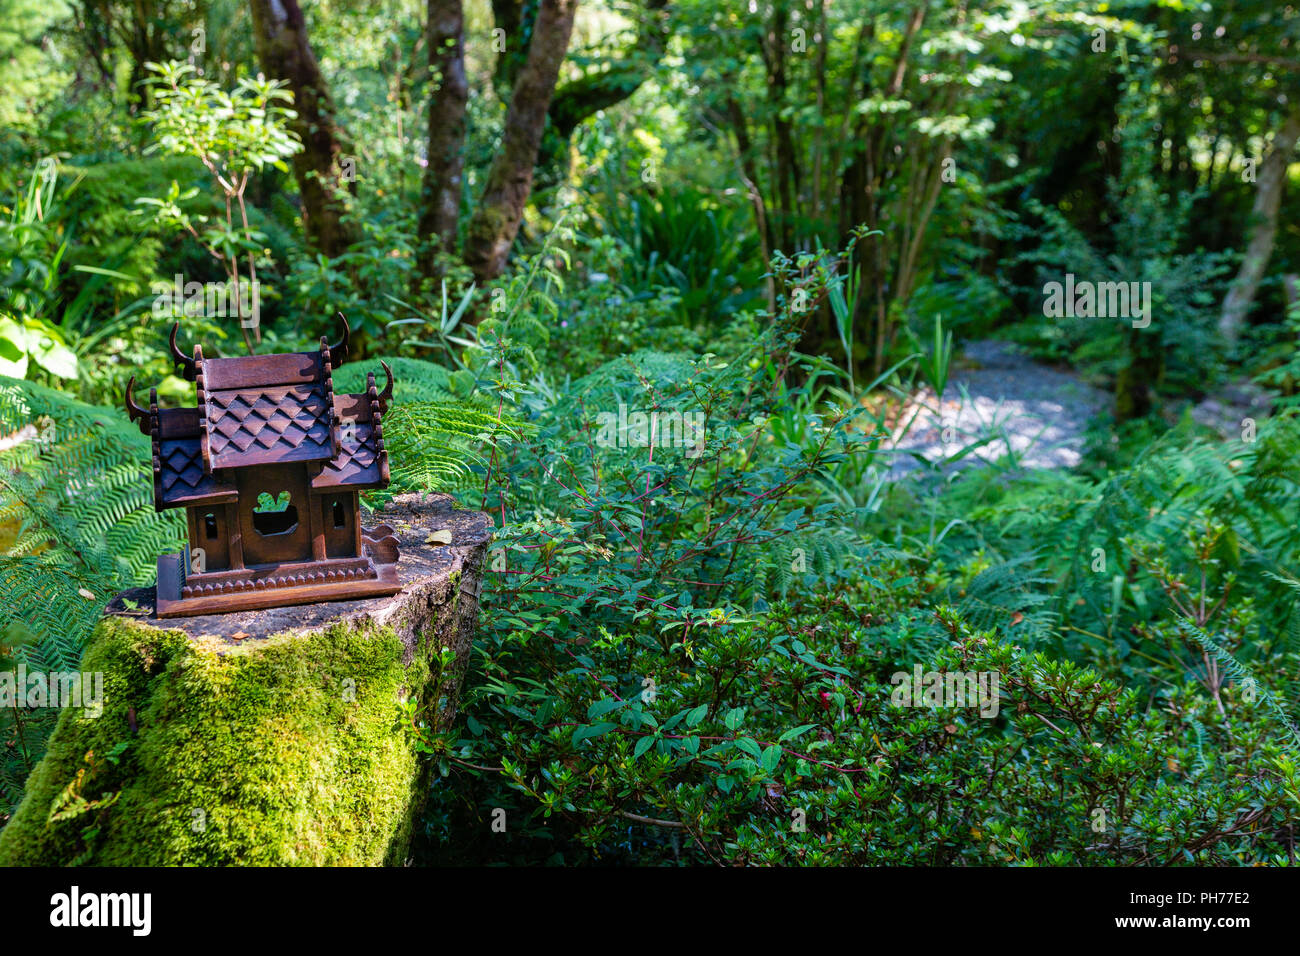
x=386, y=395
x=133, y=411
x=339, y=353
x=184, y=361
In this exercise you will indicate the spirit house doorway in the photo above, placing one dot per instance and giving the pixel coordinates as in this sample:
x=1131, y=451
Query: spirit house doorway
x=273, y=503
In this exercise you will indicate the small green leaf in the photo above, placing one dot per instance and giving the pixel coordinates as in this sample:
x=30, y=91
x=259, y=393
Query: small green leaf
x=602, y=707
x=592, y=730
x=771, y=757
x=794, y=732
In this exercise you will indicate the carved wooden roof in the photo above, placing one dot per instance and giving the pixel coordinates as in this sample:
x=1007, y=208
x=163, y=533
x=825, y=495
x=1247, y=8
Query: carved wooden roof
x=356, y=465
x=182, y=479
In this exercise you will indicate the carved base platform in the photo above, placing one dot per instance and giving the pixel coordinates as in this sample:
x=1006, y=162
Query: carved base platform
x=374, y=574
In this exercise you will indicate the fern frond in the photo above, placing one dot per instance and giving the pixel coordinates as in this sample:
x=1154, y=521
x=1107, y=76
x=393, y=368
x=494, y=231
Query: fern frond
x=76, y=484
x=1010, y=594
x=1202, y=764
x=436, y=446
x=414, y=380
x=1243, y=675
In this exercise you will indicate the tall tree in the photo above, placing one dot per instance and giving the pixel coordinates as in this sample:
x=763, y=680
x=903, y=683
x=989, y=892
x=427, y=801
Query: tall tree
x=284, y=52
x=449, y=94
x=1240, y=57
x=513, y=26
x=854, y=114
x=496, y=219
x=1263, y=228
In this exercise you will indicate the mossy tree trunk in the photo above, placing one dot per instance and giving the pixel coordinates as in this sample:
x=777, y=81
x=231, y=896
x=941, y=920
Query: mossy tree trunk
x=284, y=736
x=284, y=52
x=593, y=91
x=1140, y=375
x=492, y=230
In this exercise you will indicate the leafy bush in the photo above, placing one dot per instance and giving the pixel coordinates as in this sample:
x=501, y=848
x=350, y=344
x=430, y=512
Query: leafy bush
x=635, y=698
x=684, y=240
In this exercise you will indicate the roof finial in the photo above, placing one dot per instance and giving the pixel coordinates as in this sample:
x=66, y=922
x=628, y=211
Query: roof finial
x=133, y=411
x=339, y=352
x=186, y=363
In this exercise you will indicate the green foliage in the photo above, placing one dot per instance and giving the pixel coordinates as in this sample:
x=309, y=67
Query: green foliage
x=359, y=282
x=435, y=439
x=30, y=253
x=28, y=76
x=436, y=446
x=686, y=241
x=76, y=271
x=1184, y=542
x=230, y=133
x=642, y=695
x=778, y=741
x=76, y=489
x=233, y=135
x=675, y=403
x=1143, y=244
x=937, y=363
x=77, y=483
x=414, y=380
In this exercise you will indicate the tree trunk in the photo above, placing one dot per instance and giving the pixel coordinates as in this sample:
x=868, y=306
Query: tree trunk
x=592, y=92
x=514, y=18
x=862, y=189
x=284, y=736
x=440, y=194
x=141, y=33
x=496, y=221
x=285, y=54
x=595, y=91
x=1263, y=217
x=786, y=173
x=749, y=172
x=1142, y=371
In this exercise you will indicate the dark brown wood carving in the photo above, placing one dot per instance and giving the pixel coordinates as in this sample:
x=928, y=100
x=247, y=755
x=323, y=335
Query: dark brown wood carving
x=268, y=465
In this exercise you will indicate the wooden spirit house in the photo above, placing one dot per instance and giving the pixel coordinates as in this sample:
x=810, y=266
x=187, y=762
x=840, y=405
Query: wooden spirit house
x=268, y=465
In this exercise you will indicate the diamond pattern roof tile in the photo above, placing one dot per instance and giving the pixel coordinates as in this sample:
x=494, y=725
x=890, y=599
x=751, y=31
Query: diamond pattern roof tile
x=247, y=427
x=357, y=466
x=182, y=479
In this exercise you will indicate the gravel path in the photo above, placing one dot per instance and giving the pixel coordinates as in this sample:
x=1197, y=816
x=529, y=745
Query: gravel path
x=996, y=392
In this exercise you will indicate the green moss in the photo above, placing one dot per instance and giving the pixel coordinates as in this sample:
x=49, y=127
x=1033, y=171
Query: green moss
x=285, y=751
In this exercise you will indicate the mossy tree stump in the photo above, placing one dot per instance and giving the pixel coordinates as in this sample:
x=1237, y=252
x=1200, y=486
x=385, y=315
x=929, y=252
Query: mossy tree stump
x=281, y=736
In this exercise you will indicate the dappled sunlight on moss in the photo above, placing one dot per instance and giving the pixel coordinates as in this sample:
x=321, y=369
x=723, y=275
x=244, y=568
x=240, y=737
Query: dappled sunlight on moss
x=287, y=750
